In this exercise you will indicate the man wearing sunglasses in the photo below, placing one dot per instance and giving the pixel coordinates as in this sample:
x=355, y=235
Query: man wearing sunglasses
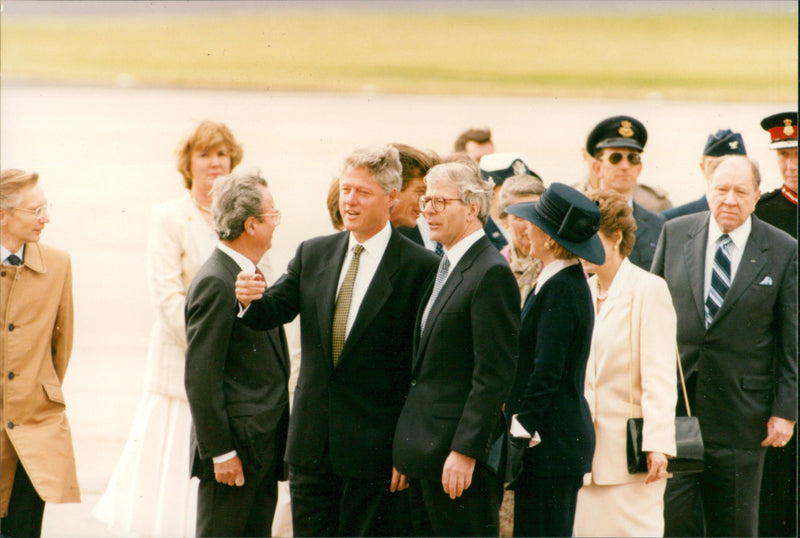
x=616, y=144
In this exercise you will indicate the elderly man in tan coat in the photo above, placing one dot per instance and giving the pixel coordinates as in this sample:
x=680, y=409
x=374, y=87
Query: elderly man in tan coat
x=37, y=463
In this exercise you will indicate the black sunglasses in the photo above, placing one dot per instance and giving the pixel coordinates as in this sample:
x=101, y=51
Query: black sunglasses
x=633, y=157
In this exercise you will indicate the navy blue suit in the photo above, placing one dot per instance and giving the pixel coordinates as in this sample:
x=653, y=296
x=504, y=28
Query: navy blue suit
x=548, y=397
x=648, y=228
x=701, y=204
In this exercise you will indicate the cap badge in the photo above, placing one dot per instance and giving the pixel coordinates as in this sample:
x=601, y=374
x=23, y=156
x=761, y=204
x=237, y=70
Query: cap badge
x=625, y=129
x=733, y=144
x=788, y=130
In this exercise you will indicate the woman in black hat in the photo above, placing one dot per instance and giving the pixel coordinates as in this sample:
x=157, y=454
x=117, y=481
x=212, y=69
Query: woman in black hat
x=550, y=423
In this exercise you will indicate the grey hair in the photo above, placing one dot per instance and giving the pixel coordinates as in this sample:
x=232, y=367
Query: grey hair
x=12, y=182
x=517, y=187
x=235, y=199
x=471, y=188
x=383, y=162
x=752, y=162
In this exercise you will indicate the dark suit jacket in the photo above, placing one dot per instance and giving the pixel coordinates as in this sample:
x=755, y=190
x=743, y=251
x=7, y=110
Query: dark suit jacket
x=412, y=233
x=236, y=378
x=774, y=208
x=464, y=363
x=743, y=368
x=350, y=411
x=648, y=226
x=494, y=234
x=701, y=204
x=547, y=395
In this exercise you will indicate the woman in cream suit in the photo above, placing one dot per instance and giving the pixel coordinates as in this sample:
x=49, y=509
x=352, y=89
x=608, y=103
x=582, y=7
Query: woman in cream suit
x=150, y=492
x=632, y=358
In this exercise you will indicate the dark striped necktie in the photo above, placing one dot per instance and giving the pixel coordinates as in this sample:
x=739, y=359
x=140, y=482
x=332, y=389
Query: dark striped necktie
x=720, y=279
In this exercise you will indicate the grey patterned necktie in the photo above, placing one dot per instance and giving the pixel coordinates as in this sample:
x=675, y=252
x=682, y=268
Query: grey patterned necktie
x=342, y=309
x=441, y=276
x=720, y=279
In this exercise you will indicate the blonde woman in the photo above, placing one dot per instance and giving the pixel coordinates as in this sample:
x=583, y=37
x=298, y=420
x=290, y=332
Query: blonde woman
x=630, y=372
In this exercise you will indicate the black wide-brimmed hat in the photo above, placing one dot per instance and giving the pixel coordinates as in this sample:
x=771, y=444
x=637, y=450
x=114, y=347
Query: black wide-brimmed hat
x=567, y=216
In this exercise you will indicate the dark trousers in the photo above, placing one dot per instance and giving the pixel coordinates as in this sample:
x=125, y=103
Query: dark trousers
x=25, y=508
x=326, y=504
x=727, y=491
x=777, y=513
x=545, y=506
x=248, y=510
x=475, y=513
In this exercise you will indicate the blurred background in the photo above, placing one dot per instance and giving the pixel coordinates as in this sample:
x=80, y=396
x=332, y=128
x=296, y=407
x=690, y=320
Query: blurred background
x=96, y=95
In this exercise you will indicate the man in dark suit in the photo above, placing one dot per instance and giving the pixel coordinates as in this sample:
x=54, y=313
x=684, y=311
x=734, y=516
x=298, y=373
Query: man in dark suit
x=357, y=293
x=450, y=434
x=617, y=144
x=723, y=142
x=236, y=378
x=733, y=281
x=406, y=211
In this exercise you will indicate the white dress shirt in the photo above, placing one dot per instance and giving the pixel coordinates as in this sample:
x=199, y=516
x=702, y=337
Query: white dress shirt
x=370, y=258
x=5, y=253
x=735, y=248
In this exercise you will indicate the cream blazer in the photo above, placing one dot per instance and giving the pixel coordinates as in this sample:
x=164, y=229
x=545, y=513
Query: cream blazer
x=633, y=343
x=36, y=319
x=179, y=242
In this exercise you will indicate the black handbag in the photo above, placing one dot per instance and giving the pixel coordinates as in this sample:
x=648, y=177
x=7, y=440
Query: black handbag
x=688, y=440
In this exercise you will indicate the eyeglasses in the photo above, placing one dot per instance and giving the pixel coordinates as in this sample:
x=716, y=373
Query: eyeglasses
x=274, y=215
x=438, y=202
x=633, y=157
x=40, y=211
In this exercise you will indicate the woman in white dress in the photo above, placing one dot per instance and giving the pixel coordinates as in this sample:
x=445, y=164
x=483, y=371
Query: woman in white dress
x=150, y=492
x=632, y=359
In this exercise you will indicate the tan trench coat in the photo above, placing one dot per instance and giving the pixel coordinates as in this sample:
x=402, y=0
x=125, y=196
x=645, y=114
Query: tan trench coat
x=36, y=321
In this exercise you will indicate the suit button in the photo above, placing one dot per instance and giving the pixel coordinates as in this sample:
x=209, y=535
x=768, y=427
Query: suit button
x=10, y=425
x=11, y=375
x=11, y=327
x=413, y=382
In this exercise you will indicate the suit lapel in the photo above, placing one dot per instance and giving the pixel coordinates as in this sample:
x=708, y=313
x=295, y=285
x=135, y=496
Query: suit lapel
x=450, y=286
x=753, y=260
x=378, y=292
x=694, y=252
x=328, y=279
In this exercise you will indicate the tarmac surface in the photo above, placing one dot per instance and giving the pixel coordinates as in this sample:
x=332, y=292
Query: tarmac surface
x=105, y=157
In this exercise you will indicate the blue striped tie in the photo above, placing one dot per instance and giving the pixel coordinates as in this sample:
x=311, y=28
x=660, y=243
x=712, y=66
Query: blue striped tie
x=720, y=279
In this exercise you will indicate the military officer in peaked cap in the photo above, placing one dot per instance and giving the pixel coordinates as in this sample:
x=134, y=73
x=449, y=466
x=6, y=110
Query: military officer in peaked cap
x=616, y=144
x=779, y=207
x=723, y=142
x=778, y=500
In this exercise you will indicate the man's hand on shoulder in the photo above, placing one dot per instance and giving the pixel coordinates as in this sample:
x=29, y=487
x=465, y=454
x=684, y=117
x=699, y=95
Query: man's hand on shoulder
x=249, y=287
x=230, y=472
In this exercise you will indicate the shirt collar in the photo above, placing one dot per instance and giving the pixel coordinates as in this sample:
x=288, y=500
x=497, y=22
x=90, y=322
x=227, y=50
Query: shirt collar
x=244, y=263
x=5, y=253
x=551, y=269
x=738, y=236
x=457, y=251
x=375, y=245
